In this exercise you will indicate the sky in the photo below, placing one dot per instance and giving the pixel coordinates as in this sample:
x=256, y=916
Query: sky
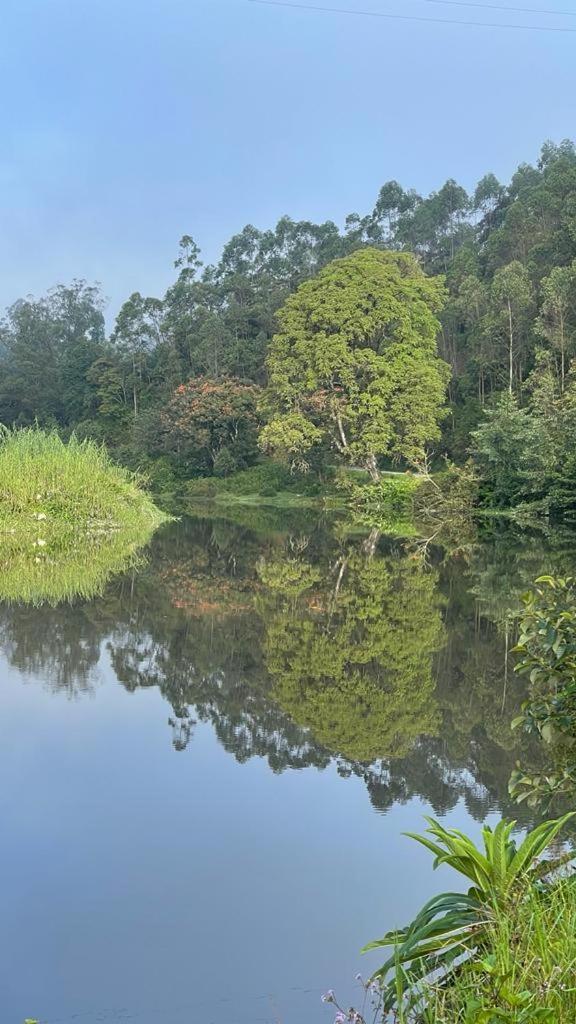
x=128, y=123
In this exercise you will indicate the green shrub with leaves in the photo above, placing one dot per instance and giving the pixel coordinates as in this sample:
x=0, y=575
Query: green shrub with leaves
x=547, y=650
x=528, y=973
x=454, y=926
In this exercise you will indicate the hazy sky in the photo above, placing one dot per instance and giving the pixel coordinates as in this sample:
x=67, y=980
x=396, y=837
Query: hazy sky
x=127, y=123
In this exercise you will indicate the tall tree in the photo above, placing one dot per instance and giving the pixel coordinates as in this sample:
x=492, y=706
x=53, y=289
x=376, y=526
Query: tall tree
x=47, y=346
x=354, y=365
x=137, y=332
x=557, y=319
x=512, y=307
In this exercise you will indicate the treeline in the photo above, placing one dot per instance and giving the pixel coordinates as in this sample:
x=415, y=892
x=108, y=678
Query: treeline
x=508, y=328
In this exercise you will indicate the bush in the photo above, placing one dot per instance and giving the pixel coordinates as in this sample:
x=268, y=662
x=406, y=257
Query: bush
x=547, y=647
x=505, y=950
x=388, y=501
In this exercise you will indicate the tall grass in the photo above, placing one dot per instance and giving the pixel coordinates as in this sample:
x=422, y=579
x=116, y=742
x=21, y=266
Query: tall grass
x=69, y=517
x=528, y=972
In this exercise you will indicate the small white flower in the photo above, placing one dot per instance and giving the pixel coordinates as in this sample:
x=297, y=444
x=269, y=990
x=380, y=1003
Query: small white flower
x=41, y=543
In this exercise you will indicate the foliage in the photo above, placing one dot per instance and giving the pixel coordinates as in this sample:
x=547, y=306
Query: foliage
x=547, y=647
x=351, y=656
x=354, y=364
x=527, y=975
x=453, y=927
x=512, y=453
x=69, y=517
x=507, y=254
x=388, y=505
x=556, y=322
x=46, y=348
x=210, y=427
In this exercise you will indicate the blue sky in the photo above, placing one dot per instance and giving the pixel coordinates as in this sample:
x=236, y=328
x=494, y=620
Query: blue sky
x=126, y=124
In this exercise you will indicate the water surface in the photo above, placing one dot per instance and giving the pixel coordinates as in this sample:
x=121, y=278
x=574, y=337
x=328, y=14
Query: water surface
x=206, y=772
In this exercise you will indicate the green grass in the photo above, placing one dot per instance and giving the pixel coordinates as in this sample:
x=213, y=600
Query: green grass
x=265, y=480
x=530, y=967
x=69, y=517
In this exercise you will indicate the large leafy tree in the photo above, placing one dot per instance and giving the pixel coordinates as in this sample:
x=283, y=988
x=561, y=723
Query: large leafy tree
x=211, y=426
x=46, y=348
x=354, y=365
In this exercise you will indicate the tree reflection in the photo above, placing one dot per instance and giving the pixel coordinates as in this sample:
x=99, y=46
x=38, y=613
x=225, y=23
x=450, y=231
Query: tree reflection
x=350, y=652
x=310, y=648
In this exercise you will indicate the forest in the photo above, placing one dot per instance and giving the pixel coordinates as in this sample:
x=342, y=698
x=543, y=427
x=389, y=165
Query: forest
x=432, y=330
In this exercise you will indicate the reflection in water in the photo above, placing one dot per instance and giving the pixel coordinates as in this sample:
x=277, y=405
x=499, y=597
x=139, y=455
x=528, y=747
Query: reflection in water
x=305, y=648
x=64, y=571
x=349, y=649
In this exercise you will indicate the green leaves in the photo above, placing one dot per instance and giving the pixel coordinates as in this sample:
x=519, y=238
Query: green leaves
x=547, y=649
x=452, y=925
x=355, y=358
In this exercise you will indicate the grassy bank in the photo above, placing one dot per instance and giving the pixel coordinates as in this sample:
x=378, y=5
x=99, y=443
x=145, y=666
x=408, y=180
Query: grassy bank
x=265, y=484
x=504, y=951
x=527, y=972
x=69, y=517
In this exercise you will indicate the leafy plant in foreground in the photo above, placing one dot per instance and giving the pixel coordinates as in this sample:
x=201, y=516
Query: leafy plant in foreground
x=547, y=646
x=452, y=925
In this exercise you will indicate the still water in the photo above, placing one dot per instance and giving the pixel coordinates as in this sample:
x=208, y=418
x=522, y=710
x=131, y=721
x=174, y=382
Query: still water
x=206, y=773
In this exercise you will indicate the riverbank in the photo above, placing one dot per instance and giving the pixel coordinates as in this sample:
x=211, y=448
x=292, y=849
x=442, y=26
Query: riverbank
x=69, y=517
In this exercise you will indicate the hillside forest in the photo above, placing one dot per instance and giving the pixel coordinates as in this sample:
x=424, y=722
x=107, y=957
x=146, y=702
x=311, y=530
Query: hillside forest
x=431, y=330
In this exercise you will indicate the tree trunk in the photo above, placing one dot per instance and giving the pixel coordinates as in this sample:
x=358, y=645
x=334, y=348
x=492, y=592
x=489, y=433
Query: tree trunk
x=341, y=431
x=510, y=348
x=562, y=356
x=372, y=467
x=371, y=543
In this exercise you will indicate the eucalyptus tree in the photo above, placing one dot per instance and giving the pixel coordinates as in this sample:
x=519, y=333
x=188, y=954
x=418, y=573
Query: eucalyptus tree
x=512, y=309
x=557, y=319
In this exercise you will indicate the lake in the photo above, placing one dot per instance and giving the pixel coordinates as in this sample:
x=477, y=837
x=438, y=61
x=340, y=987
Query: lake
x=207, y=771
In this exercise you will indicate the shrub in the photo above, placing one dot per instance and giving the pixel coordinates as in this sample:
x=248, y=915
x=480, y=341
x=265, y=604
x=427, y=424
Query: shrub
x=457, y=929
x=547, y=648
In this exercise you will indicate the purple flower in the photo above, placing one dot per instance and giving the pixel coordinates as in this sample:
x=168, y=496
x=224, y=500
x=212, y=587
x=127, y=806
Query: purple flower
x=340, y=1018
x=328, y=996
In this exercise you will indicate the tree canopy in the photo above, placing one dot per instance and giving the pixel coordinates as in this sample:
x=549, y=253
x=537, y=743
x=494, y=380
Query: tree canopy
x=354, y=365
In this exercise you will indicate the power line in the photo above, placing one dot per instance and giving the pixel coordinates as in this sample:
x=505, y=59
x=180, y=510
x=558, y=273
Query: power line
x=500, y=7
x=411, y=17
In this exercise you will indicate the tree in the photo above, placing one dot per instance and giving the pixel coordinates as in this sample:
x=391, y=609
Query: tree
x=557, y=319
x=488, y=194
x=391, y=204
x=211, y=426
x=512, y=451
x=355, y=366
x=472, y=303
x=512, y=300
x=47, y=346
x=137, y=332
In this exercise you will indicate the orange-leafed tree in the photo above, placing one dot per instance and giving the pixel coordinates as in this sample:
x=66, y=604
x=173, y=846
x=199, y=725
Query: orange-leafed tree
x=210, y=426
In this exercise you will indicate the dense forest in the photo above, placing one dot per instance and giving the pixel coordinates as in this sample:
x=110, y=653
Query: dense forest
x=184, y=384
